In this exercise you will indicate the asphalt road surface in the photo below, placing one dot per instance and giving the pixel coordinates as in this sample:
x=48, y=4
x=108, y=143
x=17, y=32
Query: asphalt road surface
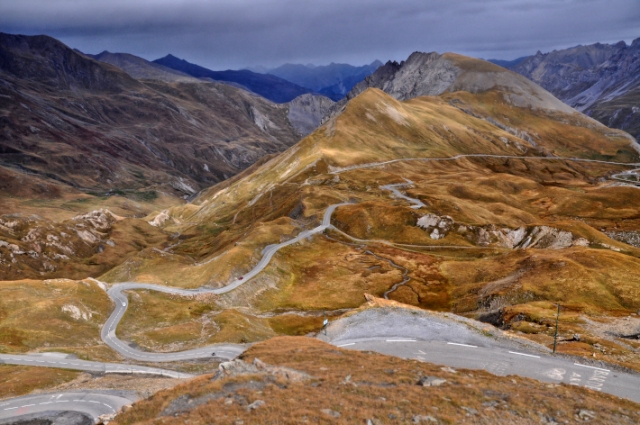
x=394, y=189
x=92, y=404
x=477, y=155
x=503, y=362
x=64, y=362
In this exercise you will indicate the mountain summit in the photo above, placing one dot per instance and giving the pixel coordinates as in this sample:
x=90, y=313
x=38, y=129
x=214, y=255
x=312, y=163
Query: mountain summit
x=432, y=74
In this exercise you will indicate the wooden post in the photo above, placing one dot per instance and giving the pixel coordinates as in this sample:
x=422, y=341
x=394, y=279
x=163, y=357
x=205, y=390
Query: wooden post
x=555, y=337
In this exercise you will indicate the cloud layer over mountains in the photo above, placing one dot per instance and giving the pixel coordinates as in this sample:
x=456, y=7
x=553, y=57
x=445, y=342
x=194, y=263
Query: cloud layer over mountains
x=235, y=33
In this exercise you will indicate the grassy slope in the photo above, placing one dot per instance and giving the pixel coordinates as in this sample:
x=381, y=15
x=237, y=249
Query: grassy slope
x=19, y=380
x=32, y=318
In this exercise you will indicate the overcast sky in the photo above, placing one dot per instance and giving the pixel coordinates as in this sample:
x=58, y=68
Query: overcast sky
x=222, y=34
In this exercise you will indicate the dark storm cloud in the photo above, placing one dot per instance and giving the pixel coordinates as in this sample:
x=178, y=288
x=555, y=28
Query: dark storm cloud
x=234, y=33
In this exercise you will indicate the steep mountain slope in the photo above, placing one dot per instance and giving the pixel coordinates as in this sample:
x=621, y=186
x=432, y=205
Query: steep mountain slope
x=87, y=124
x=334, y=80
x=142, y=69
x=514, y=208
x=269, y=86
x=600, y=80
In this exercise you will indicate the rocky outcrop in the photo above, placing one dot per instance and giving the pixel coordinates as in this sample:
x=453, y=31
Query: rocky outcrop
x=238, y=367
x=32, y=247
x=628, y=237
x=524, y=237
x=44, y=245
x=306, y=112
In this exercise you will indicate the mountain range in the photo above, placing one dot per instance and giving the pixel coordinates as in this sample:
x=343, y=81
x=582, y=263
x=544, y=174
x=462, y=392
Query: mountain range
x=334, y=80
x=601, y=80
x=268, y=86
x=142, y=69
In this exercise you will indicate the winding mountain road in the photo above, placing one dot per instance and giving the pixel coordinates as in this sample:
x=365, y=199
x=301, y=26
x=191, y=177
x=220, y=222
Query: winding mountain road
x=92, y=404
x=62, y=361
x=223, y=351
x=229, y=351
x=476, y=155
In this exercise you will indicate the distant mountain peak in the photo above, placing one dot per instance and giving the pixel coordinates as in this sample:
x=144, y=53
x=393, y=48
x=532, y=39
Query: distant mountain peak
x=269, y=86
x=333, y=80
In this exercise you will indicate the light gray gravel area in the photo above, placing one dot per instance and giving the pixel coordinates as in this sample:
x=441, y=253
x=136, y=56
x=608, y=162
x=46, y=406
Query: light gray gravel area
x=396, y=322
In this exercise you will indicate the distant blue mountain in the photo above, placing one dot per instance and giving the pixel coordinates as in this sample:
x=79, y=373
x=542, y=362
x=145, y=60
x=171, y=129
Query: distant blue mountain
x=271, y=87
x=506, y=63
x=334, y=80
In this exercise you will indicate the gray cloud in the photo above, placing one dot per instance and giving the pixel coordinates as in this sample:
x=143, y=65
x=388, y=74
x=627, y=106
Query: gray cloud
x=224, y=34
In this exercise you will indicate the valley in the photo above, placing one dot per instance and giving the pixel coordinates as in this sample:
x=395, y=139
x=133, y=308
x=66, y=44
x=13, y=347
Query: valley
x=442, y=191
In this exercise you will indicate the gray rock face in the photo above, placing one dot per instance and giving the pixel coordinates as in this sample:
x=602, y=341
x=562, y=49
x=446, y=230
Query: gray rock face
x=600, y=80
x=306, y=112
x=422, y=74
x=490, y=235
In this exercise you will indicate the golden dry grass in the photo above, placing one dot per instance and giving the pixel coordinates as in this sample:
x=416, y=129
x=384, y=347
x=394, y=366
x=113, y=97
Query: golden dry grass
x=163, y=322
x=32, y=318
x=19, y=380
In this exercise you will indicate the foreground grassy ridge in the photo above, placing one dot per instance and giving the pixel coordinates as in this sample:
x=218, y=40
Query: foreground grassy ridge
x=19, y=380
x=360, y=386
x=54, y=315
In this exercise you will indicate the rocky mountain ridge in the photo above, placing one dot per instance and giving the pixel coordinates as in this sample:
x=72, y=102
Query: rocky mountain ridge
x=141, y=69
x=601, y=80
x=432, y=74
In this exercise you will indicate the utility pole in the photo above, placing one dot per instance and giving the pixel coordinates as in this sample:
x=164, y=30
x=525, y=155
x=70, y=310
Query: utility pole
x=325, y=322
x=555, y=337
